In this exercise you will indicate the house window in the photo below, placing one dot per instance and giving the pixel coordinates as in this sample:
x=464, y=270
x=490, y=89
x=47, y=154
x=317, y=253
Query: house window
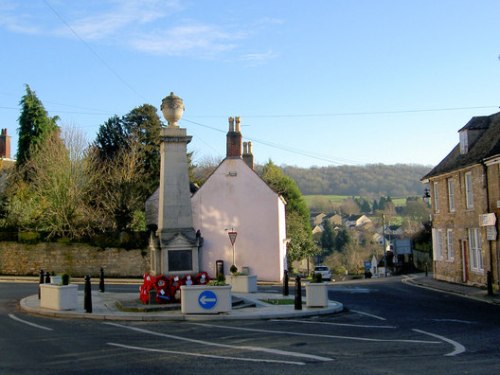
x=449, y=244
x=475, y=249
x=437, y=243
x=436, y=197
x=469, y=196
x=451, y=195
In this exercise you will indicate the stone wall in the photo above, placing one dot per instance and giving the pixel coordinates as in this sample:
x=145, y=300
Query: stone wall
x=73, y=259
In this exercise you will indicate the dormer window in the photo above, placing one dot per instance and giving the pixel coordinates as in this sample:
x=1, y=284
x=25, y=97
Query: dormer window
x=464, y=142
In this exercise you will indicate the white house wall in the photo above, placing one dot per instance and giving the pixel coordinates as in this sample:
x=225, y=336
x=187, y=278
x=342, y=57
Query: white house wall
x=236, y=197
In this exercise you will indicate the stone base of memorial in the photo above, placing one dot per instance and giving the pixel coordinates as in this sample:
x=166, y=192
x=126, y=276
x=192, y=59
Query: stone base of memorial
x=242, y=283
x=204, y=299
x=58, y=297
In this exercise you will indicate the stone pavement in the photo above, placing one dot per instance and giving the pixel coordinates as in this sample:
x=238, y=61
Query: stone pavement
x=471, y=292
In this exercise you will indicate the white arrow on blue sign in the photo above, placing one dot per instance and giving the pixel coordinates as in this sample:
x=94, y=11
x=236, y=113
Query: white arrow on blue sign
x=207, y=299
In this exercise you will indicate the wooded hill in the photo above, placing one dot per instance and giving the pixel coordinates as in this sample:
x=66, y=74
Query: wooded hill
x=372, y=180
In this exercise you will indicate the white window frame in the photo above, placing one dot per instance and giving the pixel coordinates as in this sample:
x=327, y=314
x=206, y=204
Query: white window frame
x=451, y=195
x=436, y=197
x=475, y=250
x=450, y=250
x=437, y=243
x=469, y=193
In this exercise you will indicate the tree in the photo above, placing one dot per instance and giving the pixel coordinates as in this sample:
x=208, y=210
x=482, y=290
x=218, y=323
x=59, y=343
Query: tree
x=342, y=239
x=142, y=126
x=111, y=139
x=35, y=125
x=327, y=238
x=297, y=214
x=126, y=156
x=349, y=207
x=115, y=191
x=53, y=199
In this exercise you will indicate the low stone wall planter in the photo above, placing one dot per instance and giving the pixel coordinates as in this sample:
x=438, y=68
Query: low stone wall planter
x=242, y=283
x=316, y=294
x=58, y=297
x=204, y=299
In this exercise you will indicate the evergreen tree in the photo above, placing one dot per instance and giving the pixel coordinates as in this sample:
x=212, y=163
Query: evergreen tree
x=342, y=239
x=327, y=238
x=111, y=138
x=143, y=126
x=35, y=125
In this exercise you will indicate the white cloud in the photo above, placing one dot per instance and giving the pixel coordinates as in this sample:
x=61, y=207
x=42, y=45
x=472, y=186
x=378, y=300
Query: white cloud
x=203, y=40
x=258, y=58
x=143, y=25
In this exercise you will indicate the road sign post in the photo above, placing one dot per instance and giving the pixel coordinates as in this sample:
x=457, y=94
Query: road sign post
x=232, y=237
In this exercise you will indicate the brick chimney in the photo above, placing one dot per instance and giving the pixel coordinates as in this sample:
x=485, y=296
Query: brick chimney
x=233, y=139
x=4, y=144
x=247, y=153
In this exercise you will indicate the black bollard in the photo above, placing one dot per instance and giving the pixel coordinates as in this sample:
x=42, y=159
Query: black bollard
x=426, y=273
x=298, y=294
x=87, y=299
x=47, y=277
x=101, y=281
x=285, y=284
x=489, y=283
x=40, y=282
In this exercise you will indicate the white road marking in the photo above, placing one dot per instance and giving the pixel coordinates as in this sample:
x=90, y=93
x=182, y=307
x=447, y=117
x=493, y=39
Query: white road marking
x=206, y=355
x=367, y=314
x=316, y=335
x=12, y=316
x=334, y=324
x=453, y=321
x=459, y=348
x=209, y=343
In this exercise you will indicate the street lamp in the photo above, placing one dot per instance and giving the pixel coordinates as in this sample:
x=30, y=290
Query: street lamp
x=427, y=196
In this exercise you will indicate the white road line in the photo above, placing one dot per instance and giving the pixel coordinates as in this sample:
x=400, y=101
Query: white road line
x=454, y=321
x=209, y=343
x=370, y=315
x=12, y=316
x=205, y=355
x=459, y=348
x=316, y=335
x=333, y=324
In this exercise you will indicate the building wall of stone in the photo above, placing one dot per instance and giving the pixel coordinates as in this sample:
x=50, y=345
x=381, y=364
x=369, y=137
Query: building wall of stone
x=494, y=199
x=463, y=218
x=74, y=259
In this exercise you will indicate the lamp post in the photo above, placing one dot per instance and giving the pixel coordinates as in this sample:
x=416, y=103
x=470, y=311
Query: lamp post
x=427, y=196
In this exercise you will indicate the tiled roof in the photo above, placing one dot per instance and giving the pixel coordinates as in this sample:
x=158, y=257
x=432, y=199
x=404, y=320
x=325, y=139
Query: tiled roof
x=486, y=146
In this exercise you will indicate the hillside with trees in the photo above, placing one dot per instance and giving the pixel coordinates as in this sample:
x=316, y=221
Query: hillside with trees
x=373, y=180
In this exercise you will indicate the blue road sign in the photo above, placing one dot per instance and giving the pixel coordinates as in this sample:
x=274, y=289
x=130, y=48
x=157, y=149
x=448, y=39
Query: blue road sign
x=207, y=299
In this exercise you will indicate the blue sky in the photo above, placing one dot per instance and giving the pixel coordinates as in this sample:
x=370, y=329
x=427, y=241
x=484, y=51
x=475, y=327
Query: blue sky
x=317, y=82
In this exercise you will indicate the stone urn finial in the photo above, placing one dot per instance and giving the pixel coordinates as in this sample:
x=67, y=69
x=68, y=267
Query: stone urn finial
x=172, y=108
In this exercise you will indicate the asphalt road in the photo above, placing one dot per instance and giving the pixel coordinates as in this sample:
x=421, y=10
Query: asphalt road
x=388, y=328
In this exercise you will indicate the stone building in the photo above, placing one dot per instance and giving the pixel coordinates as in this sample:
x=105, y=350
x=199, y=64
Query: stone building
x=465, y=200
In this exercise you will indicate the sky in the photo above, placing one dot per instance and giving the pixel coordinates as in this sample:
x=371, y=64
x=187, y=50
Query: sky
x=315, y=82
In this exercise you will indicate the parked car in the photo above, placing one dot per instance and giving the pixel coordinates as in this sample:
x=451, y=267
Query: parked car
x=324, y=271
